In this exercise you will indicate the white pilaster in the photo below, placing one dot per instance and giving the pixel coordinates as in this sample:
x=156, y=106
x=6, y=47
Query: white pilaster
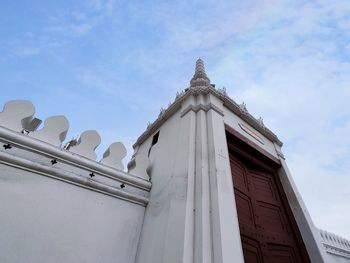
x=216, y=236
x=227, y=244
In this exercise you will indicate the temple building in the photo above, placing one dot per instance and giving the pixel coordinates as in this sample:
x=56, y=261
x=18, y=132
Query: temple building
x=207, y=183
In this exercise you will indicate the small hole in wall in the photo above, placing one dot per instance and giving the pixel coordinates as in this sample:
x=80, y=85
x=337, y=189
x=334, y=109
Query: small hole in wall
x=154, y=141
x=7, y=146
x=155, y=138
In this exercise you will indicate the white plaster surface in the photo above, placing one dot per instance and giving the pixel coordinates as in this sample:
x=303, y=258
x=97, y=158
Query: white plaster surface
x=46, y=220
x=162, y=236
x=332, y=258
x=191, y=214
x=234, y=122
x=139, y=166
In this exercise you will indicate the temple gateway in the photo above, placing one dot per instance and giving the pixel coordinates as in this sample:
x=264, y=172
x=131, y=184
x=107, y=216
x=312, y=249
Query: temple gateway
x=207, y=183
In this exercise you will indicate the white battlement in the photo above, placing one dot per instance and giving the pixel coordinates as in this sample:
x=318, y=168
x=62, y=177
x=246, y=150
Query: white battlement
x=335, y=244
x=41, y=150
x=18, y=113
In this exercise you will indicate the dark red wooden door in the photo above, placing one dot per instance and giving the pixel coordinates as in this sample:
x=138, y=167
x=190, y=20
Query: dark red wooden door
x=267, y=231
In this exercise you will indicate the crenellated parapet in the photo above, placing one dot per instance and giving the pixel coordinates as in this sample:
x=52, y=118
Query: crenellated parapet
x=335, y=244
x=45, y=151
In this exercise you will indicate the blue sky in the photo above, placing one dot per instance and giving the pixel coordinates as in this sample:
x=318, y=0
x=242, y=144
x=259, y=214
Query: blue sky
x=111, y=65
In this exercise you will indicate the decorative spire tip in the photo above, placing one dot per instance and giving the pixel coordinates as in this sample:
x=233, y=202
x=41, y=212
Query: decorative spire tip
x=200, y=66
x=200, y=77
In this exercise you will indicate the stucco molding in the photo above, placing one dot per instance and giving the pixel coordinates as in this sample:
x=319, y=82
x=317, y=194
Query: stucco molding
x=205, y=108
x=337, y=251
x=227, y=102
x=279, y=151
x=251, y=133
x=36, y=146
x=70, y=177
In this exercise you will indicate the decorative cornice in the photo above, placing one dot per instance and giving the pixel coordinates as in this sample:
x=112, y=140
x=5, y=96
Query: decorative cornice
x=227, y=102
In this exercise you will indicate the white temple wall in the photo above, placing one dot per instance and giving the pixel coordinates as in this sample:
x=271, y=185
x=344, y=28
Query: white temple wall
x=191, y=215
x=163, y=232
x=58, y=204
x=47, y=220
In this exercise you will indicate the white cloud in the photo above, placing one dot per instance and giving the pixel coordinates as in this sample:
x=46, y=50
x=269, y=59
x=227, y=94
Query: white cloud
x=103, y=5
x=24, y=51
x=78, y=23
x=295, y=74
x=81, y=29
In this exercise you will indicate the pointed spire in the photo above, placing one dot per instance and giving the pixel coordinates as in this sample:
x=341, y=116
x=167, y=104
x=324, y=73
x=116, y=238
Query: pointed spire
x=200, y=66
x=199, y=77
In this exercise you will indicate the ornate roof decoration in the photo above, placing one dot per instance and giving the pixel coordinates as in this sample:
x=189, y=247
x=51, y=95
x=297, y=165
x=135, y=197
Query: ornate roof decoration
x=200, y=84
x=200, y=77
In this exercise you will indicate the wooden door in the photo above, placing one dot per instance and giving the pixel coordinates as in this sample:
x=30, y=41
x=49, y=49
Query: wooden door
x=268, y=230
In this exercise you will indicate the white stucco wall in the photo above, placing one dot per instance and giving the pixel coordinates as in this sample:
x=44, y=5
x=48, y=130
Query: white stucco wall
x=162, y=236
x=234, y=122
x=190, y=216
x=192, y=188
x=47, y=220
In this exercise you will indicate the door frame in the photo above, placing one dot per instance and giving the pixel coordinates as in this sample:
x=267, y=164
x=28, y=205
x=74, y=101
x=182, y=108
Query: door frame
x=239, y=145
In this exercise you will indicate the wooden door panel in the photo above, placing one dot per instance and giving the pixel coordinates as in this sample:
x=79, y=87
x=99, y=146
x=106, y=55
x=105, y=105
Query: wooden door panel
x=244, y=209
x=271, y=219
x=263, y=187
x=251, y=250
x=240, y=178
x=282, y=254
x=265, y=226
